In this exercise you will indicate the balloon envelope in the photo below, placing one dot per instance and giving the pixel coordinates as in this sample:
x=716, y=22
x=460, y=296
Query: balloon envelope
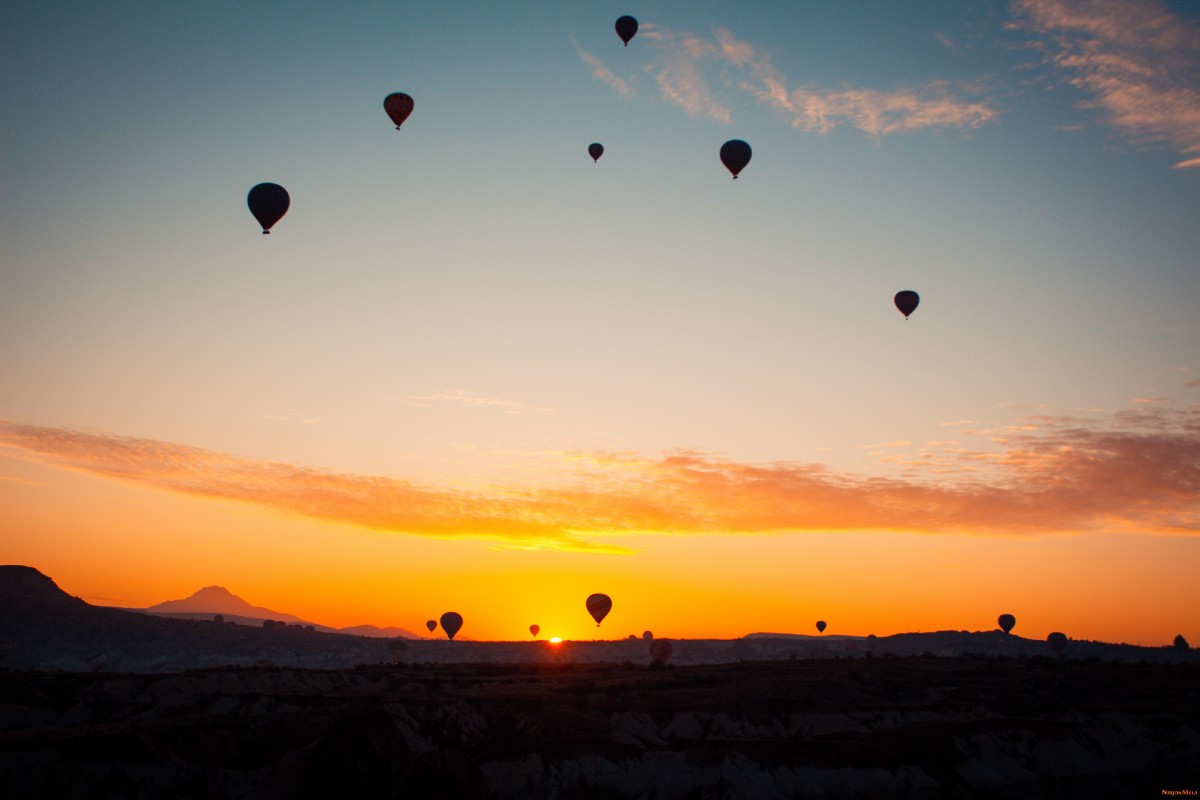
x=268, y=203
x=1006, y=622
x=626, y=27
x=820, y=626
x=398, y=106
x=534, y=630
x=595, y=150
x=907, y=301
x=451, y=622
x=735, y=155
x=660, y=650
x=431, y=624
x=598, y=605
x=1057, y=642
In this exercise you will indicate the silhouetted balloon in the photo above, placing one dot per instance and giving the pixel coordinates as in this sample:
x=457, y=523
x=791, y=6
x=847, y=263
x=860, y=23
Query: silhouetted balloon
x=398, y=106
x=626, y=27
x=647, y=635
x=595, y=150
x=1006, y=622
x=534, y=630
x=451, y=622
x=660, y=650
x=431, y=624
x=1057, y=642
x=598, y=605
x=820, y=626
x=268, y=203
x=907, y=301
x=97, y=662
x=735, y=155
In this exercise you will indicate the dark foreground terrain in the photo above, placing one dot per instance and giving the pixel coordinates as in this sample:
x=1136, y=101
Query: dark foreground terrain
x=923, y=726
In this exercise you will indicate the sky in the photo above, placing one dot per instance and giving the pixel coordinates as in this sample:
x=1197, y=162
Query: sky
x=473, y=370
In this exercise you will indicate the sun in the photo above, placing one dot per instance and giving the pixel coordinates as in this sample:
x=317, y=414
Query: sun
x=555, y=640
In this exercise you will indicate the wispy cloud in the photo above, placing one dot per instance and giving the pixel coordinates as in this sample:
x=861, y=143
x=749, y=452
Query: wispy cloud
x=602, y=73
x=458, y=397
x=22, y=481
x=291, y=415
x=1136, y=471
x=877, y=112
x=1136, y=61
x=704, y=75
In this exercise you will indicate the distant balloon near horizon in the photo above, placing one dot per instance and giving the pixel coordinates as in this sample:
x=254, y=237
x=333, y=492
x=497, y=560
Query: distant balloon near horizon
x=1006, y=622
x=534, y=630
x=398, y=106
x=647, y=635
x=451, y=623
x=598, y=605
x=660, y=650
x=907, y=301
x=431, y=624
x=97, y=662
x=820, y=626
x=735, y=155
x=1057, y=642
x=595, y=150
x=626, y=27
x=268, y=203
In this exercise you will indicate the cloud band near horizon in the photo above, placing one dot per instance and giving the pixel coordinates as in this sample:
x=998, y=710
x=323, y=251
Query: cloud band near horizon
x=1045, y=475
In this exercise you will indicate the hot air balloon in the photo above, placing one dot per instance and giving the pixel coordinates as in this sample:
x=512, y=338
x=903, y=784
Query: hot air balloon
x=97, y=662
x=268, y=203
x=660, y=650
x=598, y=605
x=907, y=301
x=451, y=622
x=626, y=27
x=1057, y=642
x=534, y=630
x=595, y=150
x=735, y=155
x=1006, y=622
x=398, y=106
x=820, y=626
x=431, y=624
x=396, y=650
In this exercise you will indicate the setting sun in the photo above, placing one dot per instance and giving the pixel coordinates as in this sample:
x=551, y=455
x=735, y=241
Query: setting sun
x=555, y=640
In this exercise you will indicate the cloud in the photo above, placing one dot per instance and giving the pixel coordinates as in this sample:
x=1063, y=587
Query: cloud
x=458, y=397
x=602, y=73
x=682, y=80
x=1137, y=471
x=704, y=75
x=1136, y=61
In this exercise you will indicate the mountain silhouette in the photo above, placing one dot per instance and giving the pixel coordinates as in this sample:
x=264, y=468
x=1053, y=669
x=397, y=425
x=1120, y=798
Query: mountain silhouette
x=219, y=600
x=212, y=600
x=43, y=627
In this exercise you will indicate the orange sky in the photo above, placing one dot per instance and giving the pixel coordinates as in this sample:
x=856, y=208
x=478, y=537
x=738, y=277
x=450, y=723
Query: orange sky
x=687, y=545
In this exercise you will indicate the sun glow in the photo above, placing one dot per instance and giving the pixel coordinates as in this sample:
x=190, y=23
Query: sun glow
x=555, y=640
